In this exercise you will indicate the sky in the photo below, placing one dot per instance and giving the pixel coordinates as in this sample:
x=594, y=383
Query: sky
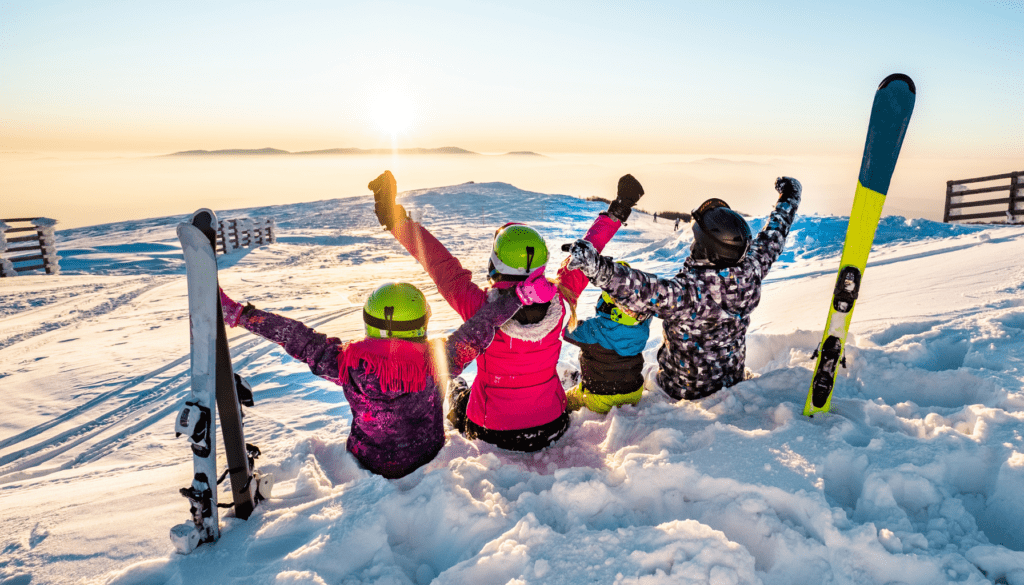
x=759, y=78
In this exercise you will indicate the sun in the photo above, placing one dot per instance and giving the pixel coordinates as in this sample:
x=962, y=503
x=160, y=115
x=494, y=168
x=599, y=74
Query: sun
x=392, y=113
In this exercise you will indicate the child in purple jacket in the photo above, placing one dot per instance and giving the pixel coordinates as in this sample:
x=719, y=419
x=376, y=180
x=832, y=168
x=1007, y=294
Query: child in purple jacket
x=391, y=378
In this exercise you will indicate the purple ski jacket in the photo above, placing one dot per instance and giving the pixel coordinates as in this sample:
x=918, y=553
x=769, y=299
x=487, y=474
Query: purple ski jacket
x=391, y=385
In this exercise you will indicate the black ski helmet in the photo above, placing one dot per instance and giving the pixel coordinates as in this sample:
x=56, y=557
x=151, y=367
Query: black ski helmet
x=720, y=235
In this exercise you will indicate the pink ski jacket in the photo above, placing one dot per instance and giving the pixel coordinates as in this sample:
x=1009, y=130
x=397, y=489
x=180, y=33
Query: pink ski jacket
x=516, y=386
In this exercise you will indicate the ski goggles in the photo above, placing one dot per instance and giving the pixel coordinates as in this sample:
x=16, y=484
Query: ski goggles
x=619, y=314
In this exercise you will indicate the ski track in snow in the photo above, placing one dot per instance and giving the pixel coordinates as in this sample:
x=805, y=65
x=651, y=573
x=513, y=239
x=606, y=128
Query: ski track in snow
x=68, y=313
x=115, y=416
x=916, y=477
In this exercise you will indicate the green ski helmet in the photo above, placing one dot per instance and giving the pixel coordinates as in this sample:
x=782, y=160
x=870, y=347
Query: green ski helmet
x=518, y=250
x=396, y=310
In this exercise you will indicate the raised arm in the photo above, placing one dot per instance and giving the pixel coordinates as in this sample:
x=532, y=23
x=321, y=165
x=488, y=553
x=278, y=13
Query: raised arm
x=316, y=350
x=769, y=242
x=476, y=334
x=604, y=228
x=599, y=234
x=638, y=291
x=454, y=282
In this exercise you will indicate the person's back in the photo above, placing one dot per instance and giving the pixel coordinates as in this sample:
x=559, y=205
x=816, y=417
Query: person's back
x=519, y=368
x=704, y=348
x=396, y=427
x=611, y=357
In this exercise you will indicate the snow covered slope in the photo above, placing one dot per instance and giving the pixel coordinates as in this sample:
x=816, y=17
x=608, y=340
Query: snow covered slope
x=917, y=477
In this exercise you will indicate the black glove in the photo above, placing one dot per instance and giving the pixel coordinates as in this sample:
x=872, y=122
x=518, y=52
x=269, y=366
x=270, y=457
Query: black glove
x=628, y=195
x=789, y=189
x=385, y=189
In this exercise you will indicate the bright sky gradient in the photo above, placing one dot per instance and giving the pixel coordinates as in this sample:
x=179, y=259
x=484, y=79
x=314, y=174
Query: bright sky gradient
x=767, y=78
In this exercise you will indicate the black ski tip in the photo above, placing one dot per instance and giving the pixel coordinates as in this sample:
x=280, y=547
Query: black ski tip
x=899, y=77
x=204, y=219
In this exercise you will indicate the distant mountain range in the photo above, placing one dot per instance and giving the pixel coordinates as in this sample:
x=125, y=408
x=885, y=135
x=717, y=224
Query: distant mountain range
x=274, y=151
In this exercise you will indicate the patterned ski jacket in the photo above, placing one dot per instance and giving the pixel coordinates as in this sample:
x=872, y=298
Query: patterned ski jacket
x=391, y=385
x=516, y=388
x=706, y=310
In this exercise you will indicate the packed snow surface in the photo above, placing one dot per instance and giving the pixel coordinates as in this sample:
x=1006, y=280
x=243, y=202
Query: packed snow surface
x=917, y=476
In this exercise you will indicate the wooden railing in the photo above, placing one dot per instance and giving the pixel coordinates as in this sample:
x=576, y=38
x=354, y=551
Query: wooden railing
x=245, y=232
x=40, y=247
x=1007, y=209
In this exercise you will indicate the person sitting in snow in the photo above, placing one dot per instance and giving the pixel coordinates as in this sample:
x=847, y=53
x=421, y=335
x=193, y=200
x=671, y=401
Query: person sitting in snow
x=516, y=401
x=611, y=359
x=391, y=378
x=706, y=307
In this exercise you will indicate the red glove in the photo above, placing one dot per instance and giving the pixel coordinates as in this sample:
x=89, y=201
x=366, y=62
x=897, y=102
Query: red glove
x=232, y=310
x=536, y=288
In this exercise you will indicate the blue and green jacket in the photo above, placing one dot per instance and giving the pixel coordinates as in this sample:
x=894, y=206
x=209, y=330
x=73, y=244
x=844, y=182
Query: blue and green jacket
x=611, y=354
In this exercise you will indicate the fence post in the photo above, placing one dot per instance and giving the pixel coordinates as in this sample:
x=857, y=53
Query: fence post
x=6, y=266
x=1016, y=201
x=222, y=236
x=949, y=199
x=47, y=244
x=272, y=230
x=244, y=235
x=236, y=238
x=250, y=233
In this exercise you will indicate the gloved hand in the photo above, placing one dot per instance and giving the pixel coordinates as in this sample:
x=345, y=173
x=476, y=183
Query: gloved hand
x=789, y=189
x=536, y=288
x=385, y=189
x=232, y=311
x=629, y=193
x=582, y=256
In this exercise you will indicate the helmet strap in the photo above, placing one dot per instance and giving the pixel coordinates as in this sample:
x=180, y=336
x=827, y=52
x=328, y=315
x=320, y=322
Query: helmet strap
x=389, y=324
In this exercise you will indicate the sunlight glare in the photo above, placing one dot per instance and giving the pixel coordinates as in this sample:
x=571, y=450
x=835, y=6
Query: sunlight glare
x=392, y=113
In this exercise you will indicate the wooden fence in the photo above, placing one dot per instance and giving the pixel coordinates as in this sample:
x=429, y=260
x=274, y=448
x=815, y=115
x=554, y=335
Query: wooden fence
x=39, y=246
x=960, y=198
x=245, y=232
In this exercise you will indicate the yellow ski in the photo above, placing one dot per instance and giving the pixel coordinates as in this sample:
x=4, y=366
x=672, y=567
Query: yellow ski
x=890, y=115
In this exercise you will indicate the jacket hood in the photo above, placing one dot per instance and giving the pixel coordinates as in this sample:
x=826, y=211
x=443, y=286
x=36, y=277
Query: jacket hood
x=625, y=340
x=533, y=331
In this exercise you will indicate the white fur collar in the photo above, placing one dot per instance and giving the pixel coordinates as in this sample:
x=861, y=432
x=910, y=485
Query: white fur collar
x=534, y=331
